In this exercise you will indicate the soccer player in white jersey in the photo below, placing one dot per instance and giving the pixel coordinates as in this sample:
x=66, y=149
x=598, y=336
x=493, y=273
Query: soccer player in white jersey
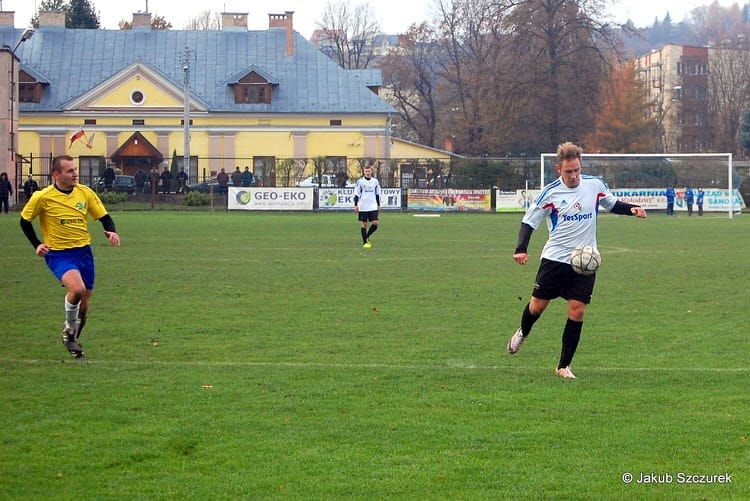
x=569, y=205
x=62, y=208
x=367, y=204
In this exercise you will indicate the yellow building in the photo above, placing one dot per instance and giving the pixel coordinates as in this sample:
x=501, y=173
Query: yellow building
x=266, y=99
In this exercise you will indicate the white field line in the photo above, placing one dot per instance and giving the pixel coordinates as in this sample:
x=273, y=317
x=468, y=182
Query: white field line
x=454, y=365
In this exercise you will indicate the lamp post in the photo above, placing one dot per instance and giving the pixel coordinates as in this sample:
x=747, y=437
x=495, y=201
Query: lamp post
x=27, y=33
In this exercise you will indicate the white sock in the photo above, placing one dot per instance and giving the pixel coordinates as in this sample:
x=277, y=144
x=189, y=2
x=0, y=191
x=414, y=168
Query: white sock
x=71, y=313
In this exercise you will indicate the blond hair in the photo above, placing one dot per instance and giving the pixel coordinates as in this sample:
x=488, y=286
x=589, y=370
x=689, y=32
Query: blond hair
x=568, y=151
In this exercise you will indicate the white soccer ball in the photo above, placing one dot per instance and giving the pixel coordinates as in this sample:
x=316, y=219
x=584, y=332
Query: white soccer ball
x=585, y=259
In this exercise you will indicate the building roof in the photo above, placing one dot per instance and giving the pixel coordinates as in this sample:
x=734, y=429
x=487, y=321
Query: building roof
x=74, y=61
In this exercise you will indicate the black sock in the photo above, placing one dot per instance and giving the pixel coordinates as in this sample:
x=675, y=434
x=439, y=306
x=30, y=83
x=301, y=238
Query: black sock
x=373, y=229
x=571, y=336
x=527, y=321
x=81, y=323
x=364, y=235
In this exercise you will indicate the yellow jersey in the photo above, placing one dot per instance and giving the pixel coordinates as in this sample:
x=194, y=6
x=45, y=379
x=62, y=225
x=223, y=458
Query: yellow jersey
x=62, y=216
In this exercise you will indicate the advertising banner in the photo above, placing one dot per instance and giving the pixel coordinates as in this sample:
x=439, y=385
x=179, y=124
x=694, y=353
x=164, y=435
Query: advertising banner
x=292, y=199
x=714, y=200
x=514, y=200
x=343, y=199
x=450, y=200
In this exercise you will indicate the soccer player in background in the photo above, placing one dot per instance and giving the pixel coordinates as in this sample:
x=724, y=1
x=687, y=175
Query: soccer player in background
x=569, y=205
x=367, y=204
x=62, y=208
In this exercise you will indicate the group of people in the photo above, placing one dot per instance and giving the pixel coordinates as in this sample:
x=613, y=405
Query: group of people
x=243, y=178
x=163, y=179
x=6, y=190
x=568, y=205
x=690, y=198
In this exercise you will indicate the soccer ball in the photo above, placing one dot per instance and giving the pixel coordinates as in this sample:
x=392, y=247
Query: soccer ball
x=585, y=259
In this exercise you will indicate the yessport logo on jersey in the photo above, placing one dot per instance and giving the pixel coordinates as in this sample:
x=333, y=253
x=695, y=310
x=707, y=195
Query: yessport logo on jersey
x=578, y=217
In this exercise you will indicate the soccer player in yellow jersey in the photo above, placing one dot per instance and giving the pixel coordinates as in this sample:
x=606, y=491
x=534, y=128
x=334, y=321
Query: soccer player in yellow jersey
x=62, y=208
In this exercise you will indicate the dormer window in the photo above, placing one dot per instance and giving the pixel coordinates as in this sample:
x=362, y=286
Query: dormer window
x=252, y=93
x=29, y=90
x=253, y=89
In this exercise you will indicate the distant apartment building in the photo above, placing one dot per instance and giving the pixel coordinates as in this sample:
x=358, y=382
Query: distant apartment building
x=682, y=80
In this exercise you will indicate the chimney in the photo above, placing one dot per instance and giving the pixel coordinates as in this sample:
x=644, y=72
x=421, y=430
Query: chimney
x=7, y=18
x=284, y=21
x=234, y=21
x=52, y=19
x=141, y=21
x=449, y=143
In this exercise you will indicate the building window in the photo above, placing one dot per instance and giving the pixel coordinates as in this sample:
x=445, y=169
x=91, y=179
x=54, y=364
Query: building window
x=139, y=122
x=253, y=93
x=89, y=169
x=137, y=97
x=182, y=122
x=335, y=123
x=193, y=166
x=29, y=92
x=89, y=121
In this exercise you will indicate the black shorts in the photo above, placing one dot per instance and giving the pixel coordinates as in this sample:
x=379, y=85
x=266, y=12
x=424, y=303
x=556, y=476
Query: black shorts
x=367, y=216
x=555, y=279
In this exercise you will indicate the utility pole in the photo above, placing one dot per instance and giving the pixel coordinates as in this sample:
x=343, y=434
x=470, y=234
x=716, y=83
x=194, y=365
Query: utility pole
x=186, y=113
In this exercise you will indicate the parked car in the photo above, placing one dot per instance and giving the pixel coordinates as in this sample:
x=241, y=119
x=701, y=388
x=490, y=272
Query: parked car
x=121, y=184
x=210, y=185
x=327, y=181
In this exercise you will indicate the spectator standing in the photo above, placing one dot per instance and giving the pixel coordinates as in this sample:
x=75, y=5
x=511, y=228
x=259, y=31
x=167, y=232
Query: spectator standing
x=689, y=199
x=670, y=194
x=699, y=201
x=29, y=187
x=181, y=180
x=166, y=180
x=140, y=181
x=154, y=180
x=223, y=179
x=248, y=179
x=6, y=190
x=237, y=177
x=109, y=178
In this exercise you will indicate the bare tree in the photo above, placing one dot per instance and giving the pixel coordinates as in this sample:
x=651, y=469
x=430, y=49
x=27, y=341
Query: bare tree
x=411, y=84
x=206, y=21
x=348, y=33
x=728, y=95
x=561, y=52
x=473, y=69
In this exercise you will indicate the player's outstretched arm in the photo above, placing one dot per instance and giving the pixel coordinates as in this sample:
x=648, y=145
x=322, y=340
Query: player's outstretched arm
x=627, y=209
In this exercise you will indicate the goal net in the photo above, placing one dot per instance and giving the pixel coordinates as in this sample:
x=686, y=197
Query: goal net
x=642, y=179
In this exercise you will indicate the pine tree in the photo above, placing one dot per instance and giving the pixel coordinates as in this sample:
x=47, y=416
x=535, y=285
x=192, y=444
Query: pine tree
x=81, y=14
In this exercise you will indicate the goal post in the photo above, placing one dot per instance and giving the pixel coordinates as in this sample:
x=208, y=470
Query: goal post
x=643, y=177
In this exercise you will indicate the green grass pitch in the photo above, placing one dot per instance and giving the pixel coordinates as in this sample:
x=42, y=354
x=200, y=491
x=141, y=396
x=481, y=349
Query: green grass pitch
x=269, y=356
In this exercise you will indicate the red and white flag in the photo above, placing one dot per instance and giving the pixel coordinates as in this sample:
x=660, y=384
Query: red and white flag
x=76, y=136
x=81, y=134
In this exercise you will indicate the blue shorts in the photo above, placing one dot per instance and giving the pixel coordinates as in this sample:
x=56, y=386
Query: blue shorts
x=81, y=258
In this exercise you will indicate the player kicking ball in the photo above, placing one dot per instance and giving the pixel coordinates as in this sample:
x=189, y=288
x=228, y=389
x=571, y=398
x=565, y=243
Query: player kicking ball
x=367, y=204
x=569, y=206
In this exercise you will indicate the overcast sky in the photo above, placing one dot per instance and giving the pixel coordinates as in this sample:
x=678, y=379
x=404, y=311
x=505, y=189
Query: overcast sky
x=394, y=16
